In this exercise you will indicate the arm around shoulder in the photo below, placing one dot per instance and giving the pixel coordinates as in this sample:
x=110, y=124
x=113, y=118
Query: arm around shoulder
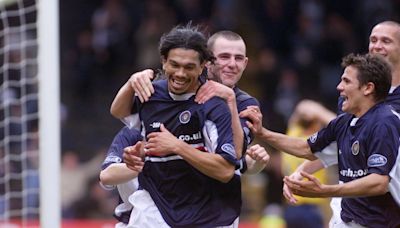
x=123, y=101
x=117, y=173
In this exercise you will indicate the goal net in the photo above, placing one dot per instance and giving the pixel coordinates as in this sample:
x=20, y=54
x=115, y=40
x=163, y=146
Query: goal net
x=25, y=176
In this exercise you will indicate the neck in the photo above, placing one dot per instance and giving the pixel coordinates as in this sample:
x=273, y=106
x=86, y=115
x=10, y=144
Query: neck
x=367, y=105
x=395, y=77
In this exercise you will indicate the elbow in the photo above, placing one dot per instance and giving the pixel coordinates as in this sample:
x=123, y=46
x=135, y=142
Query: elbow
x=309, y=156
x=383, y=187
x=226, y=176
x=105, y=178
x=114, y=112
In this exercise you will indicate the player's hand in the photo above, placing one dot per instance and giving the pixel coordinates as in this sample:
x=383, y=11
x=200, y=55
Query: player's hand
x=259, y=154
x=141, y=83
x=133, y=156
x=309, y=187
x=287, y=193
x=211, y=89
x=161, y=143
x=255, y=116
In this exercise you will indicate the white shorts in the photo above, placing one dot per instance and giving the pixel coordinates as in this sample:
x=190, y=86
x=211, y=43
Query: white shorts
x=145, y=213
x=120, y=225
x=336, y=210
x=336, y=221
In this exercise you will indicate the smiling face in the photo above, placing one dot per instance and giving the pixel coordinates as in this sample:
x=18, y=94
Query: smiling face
x=230, y=61
x=385, y=41
x=352, y=92
x=182, y=67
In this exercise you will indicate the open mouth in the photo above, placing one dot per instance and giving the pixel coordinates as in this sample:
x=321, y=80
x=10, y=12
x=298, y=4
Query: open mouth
x=345, y=99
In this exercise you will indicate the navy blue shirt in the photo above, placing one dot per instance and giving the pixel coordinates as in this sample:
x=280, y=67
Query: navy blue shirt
x=366, y=145
x=243, y=100
x=393, y=99
x=124, y=138
x=184, y=196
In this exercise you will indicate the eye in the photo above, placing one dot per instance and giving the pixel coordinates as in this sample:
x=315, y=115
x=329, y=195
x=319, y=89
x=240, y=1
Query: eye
x=174, y=65
x=224, y=57
x=189, y=68
x=239, y=58
x=387, y=41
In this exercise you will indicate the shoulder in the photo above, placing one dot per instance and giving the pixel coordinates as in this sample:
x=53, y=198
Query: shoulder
x=243, y=97
x=131, y=133
x=215, y=104
x=342, y=119
x=160, y=84
x=160, y=89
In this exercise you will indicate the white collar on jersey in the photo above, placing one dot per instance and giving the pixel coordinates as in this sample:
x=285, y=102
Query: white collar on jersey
x=354, y=121
x=392, y=89
x=181, y=97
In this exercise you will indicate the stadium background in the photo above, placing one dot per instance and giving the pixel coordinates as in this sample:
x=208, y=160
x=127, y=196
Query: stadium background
x=294, y=49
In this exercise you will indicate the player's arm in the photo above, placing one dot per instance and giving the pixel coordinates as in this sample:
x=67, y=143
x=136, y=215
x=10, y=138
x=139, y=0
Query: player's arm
x=213, y=165
x=309, y=110
x=211, y=89
x=117, y=173
x=370, y=185
x=138, y=84
x=114, y=170
x=291, y=145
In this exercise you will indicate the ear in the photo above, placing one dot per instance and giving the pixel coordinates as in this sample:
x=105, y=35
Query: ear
x=202, y=65
x=246, y=60
x=369, y=88
x=163, y=62
x=208, y=64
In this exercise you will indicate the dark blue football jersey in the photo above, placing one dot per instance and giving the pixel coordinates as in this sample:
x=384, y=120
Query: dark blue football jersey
x=369, y=144
x=393, y=99
x=184, y=196
x=124, y=138
x=243, y=100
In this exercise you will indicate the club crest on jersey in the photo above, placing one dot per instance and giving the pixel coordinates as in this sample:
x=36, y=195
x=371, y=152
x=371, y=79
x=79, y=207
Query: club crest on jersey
x=184, y=117
x=355, y=148
x=314, y=137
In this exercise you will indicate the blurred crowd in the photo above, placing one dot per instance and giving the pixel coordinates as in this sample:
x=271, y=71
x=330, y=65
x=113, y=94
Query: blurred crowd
x=294, y=48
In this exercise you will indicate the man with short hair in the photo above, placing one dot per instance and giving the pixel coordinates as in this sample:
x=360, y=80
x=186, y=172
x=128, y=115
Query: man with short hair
x=367, y=136
x=384, y=40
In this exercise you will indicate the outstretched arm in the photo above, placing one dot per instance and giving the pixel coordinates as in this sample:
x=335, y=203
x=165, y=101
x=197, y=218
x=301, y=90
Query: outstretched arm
x=138, y=84
x=117, y=173
x=291, y=145
x=370, y=185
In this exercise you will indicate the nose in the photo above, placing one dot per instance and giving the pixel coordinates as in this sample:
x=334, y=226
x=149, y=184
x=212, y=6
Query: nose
x=180, y=72
x=339, y=87
x=232, y=61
